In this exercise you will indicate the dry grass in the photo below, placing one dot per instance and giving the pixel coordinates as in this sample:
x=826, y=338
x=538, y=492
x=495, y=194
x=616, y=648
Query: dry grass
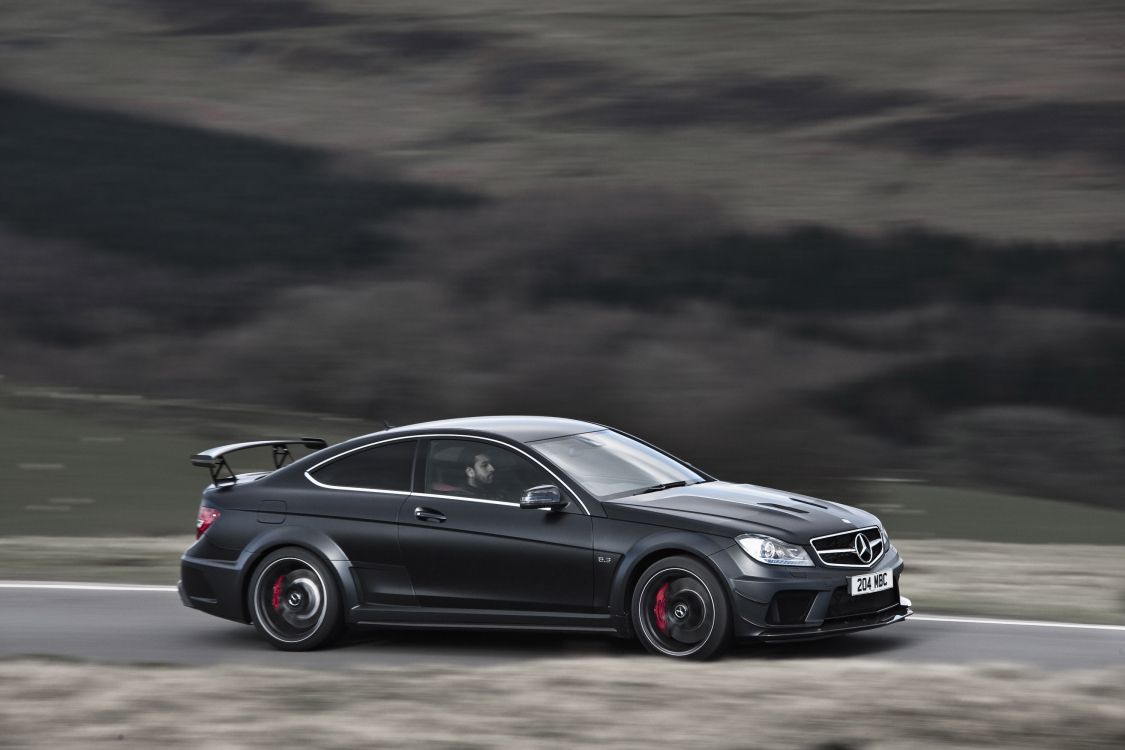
x=153, y=560
x=1079, y=583
x=1082, y=583
x=589, y=702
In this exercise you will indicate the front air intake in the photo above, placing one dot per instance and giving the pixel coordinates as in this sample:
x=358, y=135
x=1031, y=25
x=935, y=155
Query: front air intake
x=789, y=607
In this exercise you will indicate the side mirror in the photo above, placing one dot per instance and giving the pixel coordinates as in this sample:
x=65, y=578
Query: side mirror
x=544, y=496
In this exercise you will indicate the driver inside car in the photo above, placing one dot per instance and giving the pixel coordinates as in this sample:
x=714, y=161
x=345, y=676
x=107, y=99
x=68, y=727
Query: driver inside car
x=480, y=474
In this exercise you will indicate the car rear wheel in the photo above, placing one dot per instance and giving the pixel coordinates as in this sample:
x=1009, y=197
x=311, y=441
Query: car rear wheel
x=679, y=610
x=294, y=600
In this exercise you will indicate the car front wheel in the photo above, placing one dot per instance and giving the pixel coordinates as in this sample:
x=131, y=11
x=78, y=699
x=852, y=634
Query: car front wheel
x=294, y=600
x=679, y=610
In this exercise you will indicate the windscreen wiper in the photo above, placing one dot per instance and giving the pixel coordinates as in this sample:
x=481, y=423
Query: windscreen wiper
x=665, y=486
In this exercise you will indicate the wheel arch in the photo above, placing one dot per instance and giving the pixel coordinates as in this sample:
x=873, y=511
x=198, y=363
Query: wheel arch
x=657, y=547
x=315, y=542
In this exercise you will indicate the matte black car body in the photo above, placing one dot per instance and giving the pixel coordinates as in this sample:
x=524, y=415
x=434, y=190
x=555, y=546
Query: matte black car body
x=496, y=565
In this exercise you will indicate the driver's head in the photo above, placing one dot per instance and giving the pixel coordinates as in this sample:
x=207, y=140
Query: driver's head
x=478, y=467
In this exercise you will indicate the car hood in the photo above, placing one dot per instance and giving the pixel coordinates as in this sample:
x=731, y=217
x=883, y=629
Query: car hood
x=725, y=508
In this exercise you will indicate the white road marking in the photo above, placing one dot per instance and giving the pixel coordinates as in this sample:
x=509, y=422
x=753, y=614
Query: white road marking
x=1021, y=623
x=84, y=586
x=926, y=618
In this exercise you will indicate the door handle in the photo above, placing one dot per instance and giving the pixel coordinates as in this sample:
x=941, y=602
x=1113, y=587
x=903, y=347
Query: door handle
x=425, y=514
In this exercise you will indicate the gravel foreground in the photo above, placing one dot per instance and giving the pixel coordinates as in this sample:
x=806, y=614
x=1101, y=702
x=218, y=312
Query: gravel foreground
x=591, y=702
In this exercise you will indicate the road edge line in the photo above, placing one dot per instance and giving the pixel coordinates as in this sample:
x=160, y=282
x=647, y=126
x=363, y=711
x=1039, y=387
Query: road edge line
x=1018, y=623
x=68, y=586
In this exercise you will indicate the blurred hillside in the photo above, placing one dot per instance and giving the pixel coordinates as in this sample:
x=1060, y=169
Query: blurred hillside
x=796, y=242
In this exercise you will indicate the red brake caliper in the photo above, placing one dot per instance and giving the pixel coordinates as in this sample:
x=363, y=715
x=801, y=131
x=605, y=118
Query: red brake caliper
x=661, y=609
x=276, y=602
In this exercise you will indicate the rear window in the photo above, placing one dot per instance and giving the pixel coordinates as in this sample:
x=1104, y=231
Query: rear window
x=382, y=467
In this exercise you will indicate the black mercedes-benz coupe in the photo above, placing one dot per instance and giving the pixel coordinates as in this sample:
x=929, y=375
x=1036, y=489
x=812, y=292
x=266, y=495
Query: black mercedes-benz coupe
x=528, y=523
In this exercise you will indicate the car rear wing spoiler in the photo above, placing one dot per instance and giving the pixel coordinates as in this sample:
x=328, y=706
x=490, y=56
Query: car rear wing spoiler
x=214, y=459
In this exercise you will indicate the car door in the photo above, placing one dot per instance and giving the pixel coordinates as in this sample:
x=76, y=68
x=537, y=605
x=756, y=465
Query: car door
x=475, y=548
x=356, y=497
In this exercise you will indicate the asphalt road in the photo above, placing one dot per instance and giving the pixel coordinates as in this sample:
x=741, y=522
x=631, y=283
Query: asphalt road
x=149, y=625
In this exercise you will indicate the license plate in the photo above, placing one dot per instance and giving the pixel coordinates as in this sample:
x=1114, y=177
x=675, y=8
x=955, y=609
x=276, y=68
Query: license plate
x=869, y=583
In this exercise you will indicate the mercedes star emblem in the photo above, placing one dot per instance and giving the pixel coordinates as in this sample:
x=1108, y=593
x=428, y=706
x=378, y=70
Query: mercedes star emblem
x=862, y=548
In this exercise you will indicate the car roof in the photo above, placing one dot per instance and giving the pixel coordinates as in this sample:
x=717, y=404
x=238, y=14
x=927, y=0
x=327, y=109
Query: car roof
x=524, y=429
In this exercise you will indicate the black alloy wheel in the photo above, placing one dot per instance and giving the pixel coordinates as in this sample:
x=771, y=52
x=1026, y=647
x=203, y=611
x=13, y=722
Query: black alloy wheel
x=679, y=610
x=294, y=600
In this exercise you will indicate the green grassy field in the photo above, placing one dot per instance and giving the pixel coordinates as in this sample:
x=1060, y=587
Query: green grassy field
x=88, y=465
x=920, y=511
x=82, y=464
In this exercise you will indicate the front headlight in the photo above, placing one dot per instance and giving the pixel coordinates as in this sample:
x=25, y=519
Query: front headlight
x=887, y=546
x=766, y=549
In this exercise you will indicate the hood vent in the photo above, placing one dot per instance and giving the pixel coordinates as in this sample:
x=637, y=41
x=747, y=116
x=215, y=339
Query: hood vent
x=809, y=502
x=783, y=507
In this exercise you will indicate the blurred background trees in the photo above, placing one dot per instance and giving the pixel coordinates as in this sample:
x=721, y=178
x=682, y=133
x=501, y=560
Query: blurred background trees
x=797, y=243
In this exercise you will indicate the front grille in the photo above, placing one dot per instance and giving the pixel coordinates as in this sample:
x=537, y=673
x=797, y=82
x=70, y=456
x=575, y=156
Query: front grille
x=842, y=604
x=843, y=550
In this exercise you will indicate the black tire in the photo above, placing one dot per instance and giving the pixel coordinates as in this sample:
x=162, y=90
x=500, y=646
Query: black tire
x=679, y=609
x=294, y=601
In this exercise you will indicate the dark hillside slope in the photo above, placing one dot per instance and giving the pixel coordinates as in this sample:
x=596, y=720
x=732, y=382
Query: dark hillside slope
x=168, y=193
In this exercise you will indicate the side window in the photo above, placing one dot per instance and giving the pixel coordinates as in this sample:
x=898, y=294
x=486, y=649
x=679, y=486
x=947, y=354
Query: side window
x=471, y=468
x=384, y=467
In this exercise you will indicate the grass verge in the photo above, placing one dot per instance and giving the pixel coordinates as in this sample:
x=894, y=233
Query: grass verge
x=1066, y=582
x=154, y=560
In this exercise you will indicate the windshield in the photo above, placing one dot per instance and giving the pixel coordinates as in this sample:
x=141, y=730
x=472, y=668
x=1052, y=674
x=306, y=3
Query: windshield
x=610, y=465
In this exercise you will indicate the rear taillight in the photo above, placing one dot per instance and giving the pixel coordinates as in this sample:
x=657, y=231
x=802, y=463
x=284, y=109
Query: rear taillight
x=207, y=516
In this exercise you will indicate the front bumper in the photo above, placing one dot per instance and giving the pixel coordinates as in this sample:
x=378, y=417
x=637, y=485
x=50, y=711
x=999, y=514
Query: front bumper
x=773, y=603
x=889, y=616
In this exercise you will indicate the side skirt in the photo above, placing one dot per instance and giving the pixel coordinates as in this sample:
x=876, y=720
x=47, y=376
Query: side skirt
x=480, y=619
